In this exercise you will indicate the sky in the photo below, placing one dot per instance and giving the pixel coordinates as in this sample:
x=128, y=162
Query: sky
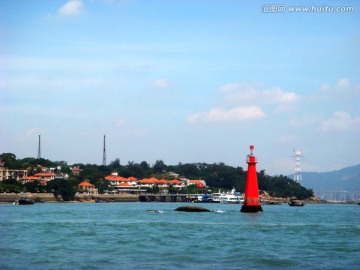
x=181, y=81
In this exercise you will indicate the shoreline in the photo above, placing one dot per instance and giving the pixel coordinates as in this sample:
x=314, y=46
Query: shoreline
x=6, y=198
x=50, y=198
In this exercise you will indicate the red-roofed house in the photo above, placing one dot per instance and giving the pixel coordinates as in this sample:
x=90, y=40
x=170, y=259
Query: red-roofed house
x=146, y=183
x=43, y=169
x=163, y=183
x=28, y=179
x=116, y=180
x=76, y=170
x=87, y=188
x=47, y=176
x=177, y=183
x=124, y=185
x=43, y=177
x=198, y=183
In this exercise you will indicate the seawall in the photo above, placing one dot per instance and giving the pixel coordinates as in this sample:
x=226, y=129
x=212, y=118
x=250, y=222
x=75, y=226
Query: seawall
x=12, y=197
x=107, y=198
x=49, y=197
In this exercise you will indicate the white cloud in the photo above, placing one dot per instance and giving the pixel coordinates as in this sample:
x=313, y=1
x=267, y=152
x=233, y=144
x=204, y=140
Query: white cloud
x=228, y=88
x=121, y=123
x=285, y=108
x=223, y=115
x=340, y=121
x=161, y=84
x=73, y=7
x=256, y=93
x=277, y=95
x=343, y=84
x=290, y=138
x=343, y=89
x=325, y=88
x=247, y=99
x=236, y=87
x=307, y=121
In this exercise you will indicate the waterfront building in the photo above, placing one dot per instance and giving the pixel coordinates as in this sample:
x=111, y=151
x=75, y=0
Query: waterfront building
x=43, y=169
x=46, y=176
x=162, y=183
x=87, y=188
x=147, y=182
x=198, y=183
x=173, y=174
x=177, y=183
x=114, y=179
x=6, y=174
x=76, y=170
x=126, y=188
x=122, y=184
x=43, y=177
x=30, y=179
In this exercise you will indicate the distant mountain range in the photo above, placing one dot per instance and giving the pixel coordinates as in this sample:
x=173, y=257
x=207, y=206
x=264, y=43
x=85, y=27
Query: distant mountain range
x=346, y=180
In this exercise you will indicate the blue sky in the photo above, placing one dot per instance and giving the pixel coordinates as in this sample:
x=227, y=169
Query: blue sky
x=181, y=81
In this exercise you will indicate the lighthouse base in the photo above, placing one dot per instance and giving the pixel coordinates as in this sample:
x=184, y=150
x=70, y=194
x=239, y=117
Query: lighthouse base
x=251, y=208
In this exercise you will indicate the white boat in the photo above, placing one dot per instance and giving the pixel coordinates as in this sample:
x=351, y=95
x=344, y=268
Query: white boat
x=231, y=198
x=215, y=197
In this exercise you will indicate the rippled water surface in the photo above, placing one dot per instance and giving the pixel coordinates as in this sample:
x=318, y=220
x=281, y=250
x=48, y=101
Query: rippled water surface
x=127, y=236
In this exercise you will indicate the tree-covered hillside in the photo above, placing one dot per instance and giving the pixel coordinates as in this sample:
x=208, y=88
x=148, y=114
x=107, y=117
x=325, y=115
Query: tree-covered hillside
x=217, y=175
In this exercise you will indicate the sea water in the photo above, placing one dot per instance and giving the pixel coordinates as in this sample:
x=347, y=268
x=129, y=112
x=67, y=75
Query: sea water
x=129, y=236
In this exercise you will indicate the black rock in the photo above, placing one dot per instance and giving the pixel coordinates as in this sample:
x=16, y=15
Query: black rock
x=192, y=209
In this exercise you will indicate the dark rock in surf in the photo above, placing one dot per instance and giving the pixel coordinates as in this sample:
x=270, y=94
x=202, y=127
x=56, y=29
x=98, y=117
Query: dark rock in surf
x=192, y=209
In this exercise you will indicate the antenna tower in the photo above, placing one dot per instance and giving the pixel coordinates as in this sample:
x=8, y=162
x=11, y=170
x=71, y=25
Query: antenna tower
x=39, y=148
x=104, y=154
x=297, y=174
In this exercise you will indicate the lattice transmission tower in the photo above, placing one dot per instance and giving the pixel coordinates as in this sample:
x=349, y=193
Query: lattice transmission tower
x=39, y=148
x=104, y=153
x=297, y=175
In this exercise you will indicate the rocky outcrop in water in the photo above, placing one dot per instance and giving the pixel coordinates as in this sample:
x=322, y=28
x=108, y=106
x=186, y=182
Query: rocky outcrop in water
x=192, y=209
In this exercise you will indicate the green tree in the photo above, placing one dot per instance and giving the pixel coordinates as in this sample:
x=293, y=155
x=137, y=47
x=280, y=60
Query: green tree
x=189, y=170
x=9, y=160
x=172, y=189
x=11, y=185
x=65, y=188
x=159, y=166
x=34, y=187
x=190, y=189
x=45, y=162
x=154, y=189
x=101, y=185
x=115, y=164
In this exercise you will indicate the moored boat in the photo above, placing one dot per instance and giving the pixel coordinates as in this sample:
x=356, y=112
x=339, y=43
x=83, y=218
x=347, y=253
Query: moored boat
x=215, y=197
x=201, y=198
x=231, y=198
x=295, y=203
x=25, y=201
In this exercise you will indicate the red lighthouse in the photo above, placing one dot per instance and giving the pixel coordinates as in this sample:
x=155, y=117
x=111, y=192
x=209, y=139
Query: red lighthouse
x=252, y=201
